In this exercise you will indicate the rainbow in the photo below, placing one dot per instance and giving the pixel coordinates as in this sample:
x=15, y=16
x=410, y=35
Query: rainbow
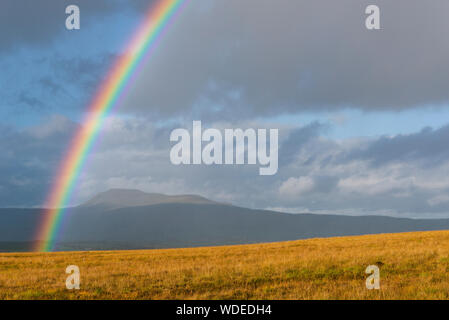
x=108, y=95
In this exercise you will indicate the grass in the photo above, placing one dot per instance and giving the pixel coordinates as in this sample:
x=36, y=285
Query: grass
x=413, y=266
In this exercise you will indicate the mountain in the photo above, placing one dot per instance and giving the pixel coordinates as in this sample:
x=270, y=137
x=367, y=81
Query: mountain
x=122, y=198
x=131, y=219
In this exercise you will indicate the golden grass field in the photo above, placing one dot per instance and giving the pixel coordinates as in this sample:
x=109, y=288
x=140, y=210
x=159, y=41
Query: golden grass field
x=415, y=266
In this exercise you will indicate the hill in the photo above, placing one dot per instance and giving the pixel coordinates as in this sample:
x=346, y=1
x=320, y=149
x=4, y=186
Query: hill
x=123, y=198
x=131, y=219
x=412, y=266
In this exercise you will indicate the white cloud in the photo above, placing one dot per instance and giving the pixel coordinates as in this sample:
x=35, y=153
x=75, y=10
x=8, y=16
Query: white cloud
x=440, y=199
x=318, y=175
x=296, y=186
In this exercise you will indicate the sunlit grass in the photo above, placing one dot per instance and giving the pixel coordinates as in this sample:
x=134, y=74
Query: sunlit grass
x=413, y=266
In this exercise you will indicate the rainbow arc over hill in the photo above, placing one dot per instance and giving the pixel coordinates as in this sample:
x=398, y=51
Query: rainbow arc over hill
x=111, y=89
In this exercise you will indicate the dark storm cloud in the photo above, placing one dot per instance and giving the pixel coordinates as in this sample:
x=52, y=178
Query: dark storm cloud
x=30, y=22
x=429, y=146
x=253, y=57
x=296, y=139
x=29, y=160
x=229, y=59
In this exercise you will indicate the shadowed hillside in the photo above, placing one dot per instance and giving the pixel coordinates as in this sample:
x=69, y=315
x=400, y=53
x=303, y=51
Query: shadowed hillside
x=118, y=220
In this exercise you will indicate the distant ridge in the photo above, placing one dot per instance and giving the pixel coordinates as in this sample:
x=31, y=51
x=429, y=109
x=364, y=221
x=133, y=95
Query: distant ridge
x=123, y=198
x=132, y=219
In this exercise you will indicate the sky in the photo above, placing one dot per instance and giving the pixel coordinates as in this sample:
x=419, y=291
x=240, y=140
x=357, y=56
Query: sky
x=363, y=115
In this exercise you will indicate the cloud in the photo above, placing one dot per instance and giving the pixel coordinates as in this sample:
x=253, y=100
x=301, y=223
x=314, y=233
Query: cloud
x=227, y=59
x=133, y=153
x=25, y=22
x=297, y=186
x=24, y=98
x=427, y=146
x=54, y=84
x=439, y=199
x=29, y=160
x=296, y=139
x=405, y=175
x=256, y=58
x=233, y=63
